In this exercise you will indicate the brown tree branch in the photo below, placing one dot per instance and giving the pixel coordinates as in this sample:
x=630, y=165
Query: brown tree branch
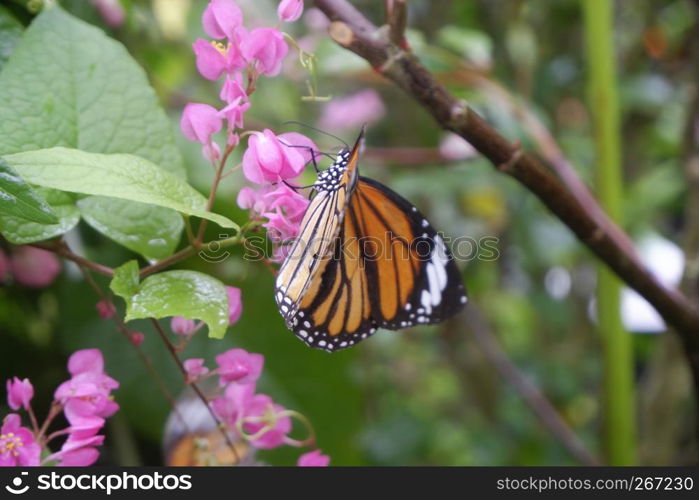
x=351, y=30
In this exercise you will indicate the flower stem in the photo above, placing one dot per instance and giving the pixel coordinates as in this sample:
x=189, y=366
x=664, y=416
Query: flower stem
x=618, y=391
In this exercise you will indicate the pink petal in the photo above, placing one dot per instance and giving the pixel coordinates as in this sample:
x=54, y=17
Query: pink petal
x=238, y=365
x=313, y=459
x=182, y=326
x=231, y=406
x=290, y=10
x=267, y=46
x=79, y=458
x=233, y=113
x=251, y=165
x=221, y=18
x=233, y=88
x=258, y=407
x=210, y=62
x=19, y=393
x=235, y=304
x=199, y=122
x=86, y=361
x=195, y=368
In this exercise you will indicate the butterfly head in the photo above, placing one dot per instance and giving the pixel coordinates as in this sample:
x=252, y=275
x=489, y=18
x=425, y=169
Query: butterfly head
x=333, y=178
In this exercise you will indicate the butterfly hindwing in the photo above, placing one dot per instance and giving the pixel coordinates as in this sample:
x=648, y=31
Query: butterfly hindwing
x=434, y=291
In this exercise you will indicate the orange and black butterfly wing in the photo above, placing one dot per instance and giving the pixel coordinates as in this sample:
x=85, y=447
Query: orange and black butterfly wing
x=388, y=269
x=427, y=283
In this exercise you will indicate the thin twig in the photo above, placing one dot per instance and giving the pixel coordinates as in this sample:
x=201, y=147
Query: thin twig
x=397, y=19
x=183, y=254
x=528, y=391
x=173, y=353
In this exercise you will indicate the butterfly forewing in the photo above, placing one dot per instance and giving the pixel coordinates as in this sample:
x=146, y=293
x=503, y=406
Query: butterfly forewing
x=319, y=230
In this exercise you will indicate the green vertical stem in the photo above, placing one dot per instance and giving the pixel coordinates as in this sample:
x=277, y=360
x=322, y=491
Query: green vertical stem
x=619, y=433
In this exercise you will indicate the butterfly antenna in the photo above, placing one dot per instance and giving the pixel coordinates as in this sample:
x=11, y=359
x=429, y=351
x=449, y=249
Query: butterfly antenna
x=317, y=130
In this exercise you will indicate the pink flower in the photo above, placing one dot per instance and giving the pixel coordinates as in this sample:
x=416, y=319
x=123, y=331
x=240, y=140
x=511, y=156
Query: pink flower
x=19, y=393
x=111, y=11
x=34, y=267
x=233, y=113
x=77, y=452
x=282, y=206
x=213, y=59
x=290, y=10
x=262, y=413
x=182, y=326
x=86, y=396
x=254, y=199
x=238, y=365
x=199, y=122
x=221, y=18
x=17, y=445
x=284, y=213
x=313, y=459
x=271, y=158
x=233, y=88
x=267, y=47
x=195, y=369
x=352, y=111
x=137, y=338
x=83, y=415
x=231, y=406
x=235, y=304
x=105, y=308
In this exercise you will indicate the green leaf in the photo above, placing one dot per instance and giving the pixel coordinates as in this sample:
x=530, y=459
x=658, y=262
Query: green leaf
x=126, y=177
x=10, y=33
x=20, y=231
x=190, y=294
x=125, y=280
x=155, y=237
x=68, y=84
x=20, y=200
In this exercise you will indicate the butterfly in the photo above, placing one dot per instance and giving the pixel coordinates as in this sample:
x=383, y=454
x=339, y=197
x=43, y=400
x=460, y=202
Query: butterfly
x=365, y=258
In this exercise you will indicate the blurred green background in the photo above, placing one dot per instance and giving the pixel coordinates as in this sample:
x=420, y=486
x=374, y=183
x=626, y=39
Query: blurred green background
x=427, y=395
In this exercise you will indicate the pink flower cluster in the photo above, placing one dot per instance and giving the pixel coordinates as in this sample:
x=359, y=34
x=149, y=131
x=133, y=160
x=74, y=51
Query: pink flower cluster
x=234, y=49
x=29, y=266
x=270, y=161
x=86, y=402
x=247, y=414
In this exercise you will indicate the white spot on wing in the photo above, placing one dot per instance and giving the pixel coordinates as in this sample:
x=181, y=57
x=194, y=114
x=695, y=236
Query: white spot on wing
x=435, y=291
x=426, y=301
